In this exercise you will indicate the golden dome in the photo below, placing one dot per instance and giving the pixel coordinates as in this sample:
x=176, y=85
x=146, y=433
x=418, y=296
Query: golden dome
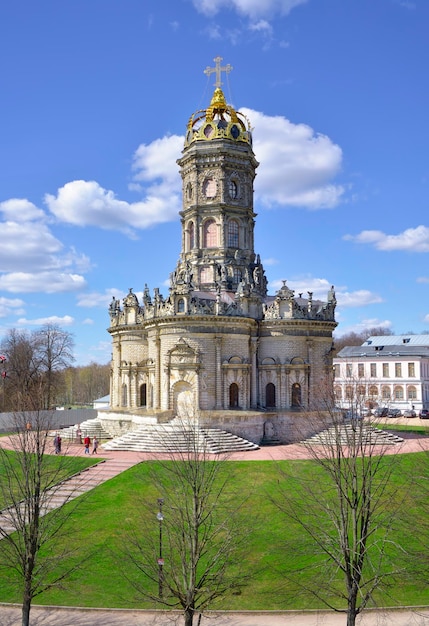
x=219, y=121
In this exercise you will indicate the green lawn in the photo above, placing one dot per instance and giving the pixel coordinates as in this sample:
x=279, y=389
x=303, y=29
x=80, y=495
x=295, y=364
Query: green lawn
x=275, y=547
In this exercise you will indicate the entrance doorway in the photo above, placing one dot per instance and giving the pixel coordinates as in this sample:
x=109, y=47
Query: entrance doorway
x=296, y=395
x=270, y=396
x=233, y=396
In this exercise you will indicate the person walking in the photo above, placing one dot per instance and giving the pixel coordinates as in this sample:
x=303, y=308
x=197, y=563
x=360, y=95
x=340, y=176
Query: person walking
x=57, y=444
x=87, y=443
x=94, y=445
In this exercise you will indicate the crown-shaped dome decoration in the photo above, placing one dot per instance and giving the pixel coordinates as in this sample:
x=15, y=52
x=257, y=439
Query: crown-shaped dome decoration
x=220, y=120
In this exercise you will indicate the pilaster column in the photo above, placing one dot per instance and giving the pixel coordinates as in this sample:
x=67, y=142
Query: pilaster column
x=157, y=387
x=254, y=372
x=218, y=374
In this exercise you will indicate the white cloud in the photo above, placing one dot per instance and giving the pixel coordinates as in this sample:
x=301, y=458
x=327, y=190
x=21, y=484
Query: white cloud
x=42, y=282
x=270, y=261
x=32, y=259
x=261, y=26
x=252, y=9
x=297, y=164
x=66, y=320
x=319, y=287
x=27, y=245
x=411, y=239
x=361, y=297
x=95, y=299
x=10, y=306
x=86, y=203
x=362, y=326
x=20, y=210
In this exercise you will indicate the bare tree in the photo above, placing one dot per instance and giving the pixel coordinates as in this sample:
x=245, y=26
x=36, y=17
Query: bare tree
x=357, y=339
x=21, y=368
x=347, y=506
x=34, y=531
x=54, y=348
x=193, y=561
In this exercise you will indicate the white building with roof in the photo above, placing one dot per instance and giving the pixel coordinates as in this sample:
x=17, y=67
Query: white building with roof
x=388, y=370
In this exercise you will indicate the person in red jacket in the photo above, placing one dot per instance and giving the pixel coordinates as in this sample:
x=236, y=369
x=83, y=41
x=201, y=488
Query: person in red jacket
x=87, y=443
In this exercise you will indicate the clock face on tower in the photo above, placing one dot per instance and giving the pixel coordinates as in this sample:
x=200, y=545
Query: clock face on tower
x=209, y=188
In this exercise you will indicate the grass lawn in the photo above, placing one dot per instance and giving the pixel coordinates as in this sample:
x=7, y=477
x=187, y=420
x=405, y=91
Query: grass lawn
x=275, y=547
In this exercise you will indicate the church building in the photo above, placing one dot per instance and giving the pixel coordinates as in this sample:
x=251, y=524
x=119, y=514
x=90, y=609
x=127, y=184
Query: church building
x=218, y=348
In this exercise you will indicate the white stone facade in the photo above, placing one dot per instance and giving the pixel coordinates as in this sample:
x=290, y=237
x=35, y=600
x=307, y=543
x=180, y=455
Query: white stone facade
x=218, y=347
x=391, y=371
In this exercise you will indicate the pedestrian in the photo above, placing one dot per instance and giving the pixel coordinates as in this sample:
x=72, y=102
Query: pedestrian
x=87, y=443
x=94, y=445
x=57, y=444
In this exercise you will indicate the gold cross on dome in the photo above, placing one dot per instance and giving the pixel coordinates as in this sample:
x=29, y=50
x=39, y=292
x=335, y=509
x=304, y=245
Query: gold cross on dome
x=218, y=69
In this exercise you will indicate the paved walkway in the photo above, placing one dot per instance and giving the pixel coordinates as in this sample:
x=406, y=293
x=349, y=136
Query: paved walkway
x=54, y=616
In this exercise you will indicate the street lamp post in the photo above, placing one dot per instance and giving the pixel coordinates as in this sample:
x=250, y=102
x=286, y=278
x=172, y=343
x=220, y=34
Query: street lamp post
x=160, y=518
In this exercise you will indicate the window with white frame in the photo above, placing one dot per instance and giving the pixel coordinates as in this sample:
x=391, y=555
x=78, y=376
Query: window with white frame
x=385, y=393
x=412, y=392
x=411, y=370
x=385, y=370
x=398, y=370
x=373, y=370
x=399, y=393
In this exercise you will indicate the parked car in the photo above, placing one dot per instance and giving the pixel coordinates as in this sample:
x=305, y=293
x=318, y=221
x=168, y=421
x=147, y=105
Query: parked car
x=424, y=414
x=394, y=413
x=409, y=413
x=381, y=411
x=352, y=415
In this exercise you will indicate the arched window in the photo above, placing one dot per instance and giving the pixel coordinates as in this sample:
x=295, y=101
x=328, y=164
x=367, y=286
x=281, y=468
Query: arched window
x=233, y=396
x=206, y=275
x=270, y=396
x=143, y=395
x=385, y=393
x=124, y=395
x=191, y=235
x=210, y=234
x=232, y=234
x=181, y=306
x=373, y=391
x=361, y=391
x=412, y=393
x=338, y=393
x=399, y=393
x=232, y=188
x=296, y=395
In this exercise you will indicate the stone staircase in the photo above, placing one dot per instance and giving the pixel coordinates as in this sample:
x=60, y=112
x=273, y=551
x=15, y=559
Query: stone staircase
x=69, y=489
x=178, y=437
x=346, y=433
x=92, y=428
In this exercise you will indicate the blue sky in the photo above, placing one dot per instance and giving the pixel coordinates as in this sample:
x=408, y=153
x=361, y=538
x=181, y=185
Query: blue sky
x=95, y=97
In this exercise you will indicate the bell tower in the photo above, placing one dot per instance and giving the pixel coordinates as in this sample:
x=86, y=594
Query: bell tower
x=218, y=168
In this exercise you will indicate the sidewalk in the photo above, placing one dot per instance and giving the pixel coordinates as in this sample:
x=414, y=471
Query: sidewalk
x=55, y=616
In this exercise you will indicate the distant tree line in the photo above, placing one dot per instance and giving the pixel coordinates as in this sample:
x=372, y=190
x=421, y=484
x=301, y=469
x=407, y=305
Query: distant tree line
x=357, y=339
x=41, y=363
